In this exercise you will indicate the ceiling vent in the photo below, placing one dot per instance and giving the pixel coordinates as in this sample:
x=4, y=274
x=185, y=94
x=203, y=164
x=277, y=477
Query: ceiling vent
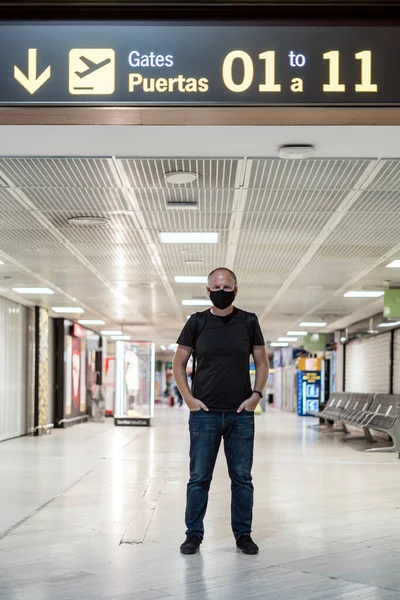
x=188, y=205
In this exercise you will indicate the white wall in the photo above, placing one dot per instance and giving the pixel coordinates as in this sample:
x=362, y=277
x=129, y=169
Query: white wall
x=339, y=363
x=13, y=371
x=368, y=365
x=192, y=141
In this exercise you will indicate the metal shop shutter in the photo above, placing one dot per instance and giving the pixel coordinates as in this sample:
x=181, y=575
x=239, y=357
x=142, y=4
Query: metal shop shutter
x=396, y=365
x=368, y=365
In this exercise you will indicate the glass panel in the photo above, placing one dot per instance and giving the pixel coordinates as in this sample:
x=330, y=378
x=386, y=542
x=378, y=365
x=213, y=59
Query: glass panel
x=135, y=393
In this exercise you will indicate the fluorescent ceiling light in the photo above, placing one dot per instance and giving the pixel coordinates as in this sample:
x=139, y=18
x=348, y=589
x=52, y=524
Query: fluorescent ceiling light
x=298, y=333
x=111, y=332
x=197, y=302
x=287, y=339
x=279, y=344
x=86, y=220
x=37, y=291
x=191, y=261
x=312, y=324
x=186, y=237
x=173, y=347
x=1, y=262
x=393, y=324
x=394, y=265
x=180, y=177
x=190, y=279
x=364, y=294
x=121, y=337
x=163, y=348
x=68, y=310
x=91, y=322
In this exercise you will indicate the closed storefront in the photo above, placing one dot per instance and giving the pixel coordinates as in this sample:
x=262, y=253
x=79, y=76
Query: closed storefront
x=368, y=365
x=396, y=362
x=77, y=360
x=13, y=369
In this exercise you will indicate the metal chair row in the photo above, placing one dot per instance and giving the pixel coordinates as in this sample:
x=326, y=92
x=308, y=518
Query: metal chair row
x=380, y=412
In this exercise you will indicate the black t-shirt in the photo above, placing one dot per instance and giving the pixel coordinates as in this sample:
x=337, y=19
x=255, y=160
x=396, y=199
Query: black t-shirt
x=223, y=348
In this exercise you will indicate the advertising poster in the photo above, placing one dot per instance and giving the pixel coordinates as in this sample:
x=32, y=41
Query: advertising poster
x=109, y=382
x=43, y=383
x=68, y=375
x=76, y=374
x=309, y=392
x=83, y=377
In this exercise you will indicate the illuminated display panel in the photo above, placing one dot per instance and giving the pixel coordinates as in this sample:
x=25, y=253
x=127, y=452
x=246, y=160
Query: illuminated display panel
x=192, y=63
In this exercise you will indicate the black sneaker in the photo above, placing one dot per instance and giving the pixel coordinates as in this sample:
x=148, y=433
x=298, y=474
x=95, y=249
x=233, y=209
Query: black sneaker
x=246, y=544
x=191, y=545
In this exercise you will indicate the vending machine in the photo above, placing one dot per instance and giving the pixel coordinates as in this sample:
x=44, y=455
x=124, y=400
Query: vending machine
x=309, y=385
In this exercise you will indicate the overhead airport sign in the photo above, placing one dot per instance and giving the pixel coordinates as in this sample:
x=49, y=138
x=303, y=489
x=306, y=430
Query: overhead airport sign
x=134, y=63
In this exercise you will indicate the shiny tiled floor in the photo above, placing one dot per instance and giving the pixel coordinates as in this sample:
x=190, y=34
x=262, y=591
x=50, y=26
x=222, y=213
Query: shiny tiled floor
x=96, y=512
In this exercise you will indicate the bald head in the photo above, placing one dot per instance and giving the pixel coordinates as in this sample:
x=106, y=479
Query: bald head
x=222, y=278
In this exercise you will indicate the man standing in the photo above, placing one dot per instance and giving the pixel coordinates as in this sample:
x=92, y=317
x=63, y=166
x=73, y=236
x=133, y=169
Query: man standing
x=221, y=405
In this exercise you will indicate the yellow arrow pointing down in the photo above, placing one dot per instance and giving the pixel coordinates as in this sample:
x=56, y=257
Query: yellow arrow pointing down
x=31, y=82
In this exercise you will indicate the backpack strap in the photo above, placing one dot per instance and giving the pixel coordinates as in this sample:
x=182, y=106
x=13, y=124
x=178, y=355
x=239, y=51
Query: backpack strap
x=199, y=326
x=251, y=321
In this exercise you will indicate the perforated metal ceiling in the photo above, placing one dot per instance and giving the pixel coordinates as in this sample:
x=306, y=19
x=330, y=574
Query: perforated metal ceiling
x=296, y=232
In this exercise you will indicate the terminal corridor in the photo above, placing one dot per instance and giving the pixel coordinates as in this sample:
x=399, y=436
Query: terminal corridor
x=97, y=512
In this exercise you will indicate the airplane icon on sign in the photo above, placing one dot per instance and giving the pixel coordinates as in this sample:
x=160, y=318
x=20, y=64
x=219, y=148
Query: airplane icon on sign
x=92, y=71
x=91, y=66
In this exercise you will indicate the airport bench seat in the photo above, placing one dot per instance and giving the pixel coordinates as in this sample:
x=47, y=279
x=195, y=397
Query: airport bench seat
x=334, y=408
x=371, y=411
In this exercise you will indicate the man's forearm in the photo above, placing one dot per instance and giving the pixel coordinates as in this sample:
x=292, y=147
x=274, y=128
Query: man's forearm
x=262, y=372
x=181, y=380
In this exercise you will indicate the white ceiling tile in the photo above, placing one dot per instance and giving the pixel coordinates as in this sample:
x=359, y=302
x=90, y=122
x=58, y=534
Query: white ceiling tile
x=89, y=200
x=59, y=172
x=294, y=200
x=150, y=172
x=312, y=174
x=208, y=200
x=388, y=178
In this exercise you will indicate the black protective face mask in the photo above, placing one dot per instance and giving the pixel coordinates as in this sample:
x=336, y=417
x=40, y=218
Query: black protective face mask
x=222, y=299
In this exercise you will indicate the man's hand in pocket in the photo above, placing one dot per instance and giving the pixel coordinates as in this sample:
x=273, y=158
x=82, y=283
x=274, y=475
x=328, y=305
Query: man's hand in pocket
x=250, y=404
x=195, y=405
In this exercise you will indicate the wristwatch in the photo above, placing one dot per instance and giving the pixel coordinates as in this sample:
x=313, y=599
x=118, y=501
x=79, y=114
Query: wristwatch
x=259, y=393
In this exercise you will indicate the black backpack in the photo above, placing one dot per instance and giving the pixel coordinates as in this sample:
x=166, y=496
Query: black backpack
x=201, y=317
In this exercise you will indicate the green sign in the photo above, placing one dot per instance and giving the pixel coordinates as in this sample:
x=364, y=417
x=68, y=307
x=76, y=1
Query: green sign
x=196, y=63
x=315, y=342
x=391, y=304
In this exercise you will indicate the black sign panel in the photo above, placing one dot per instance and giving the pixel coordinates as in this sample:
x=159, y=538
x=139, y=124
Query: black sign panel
x=198, y=64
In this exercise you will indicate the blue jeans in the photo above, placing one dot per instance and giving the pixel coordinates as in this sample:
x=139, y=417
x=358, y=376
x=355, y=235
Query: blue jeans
x=206, y=432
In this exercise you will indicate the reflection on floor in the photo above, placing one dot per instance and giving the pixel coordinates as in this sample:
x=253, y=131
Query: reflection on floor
x=100, y=516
